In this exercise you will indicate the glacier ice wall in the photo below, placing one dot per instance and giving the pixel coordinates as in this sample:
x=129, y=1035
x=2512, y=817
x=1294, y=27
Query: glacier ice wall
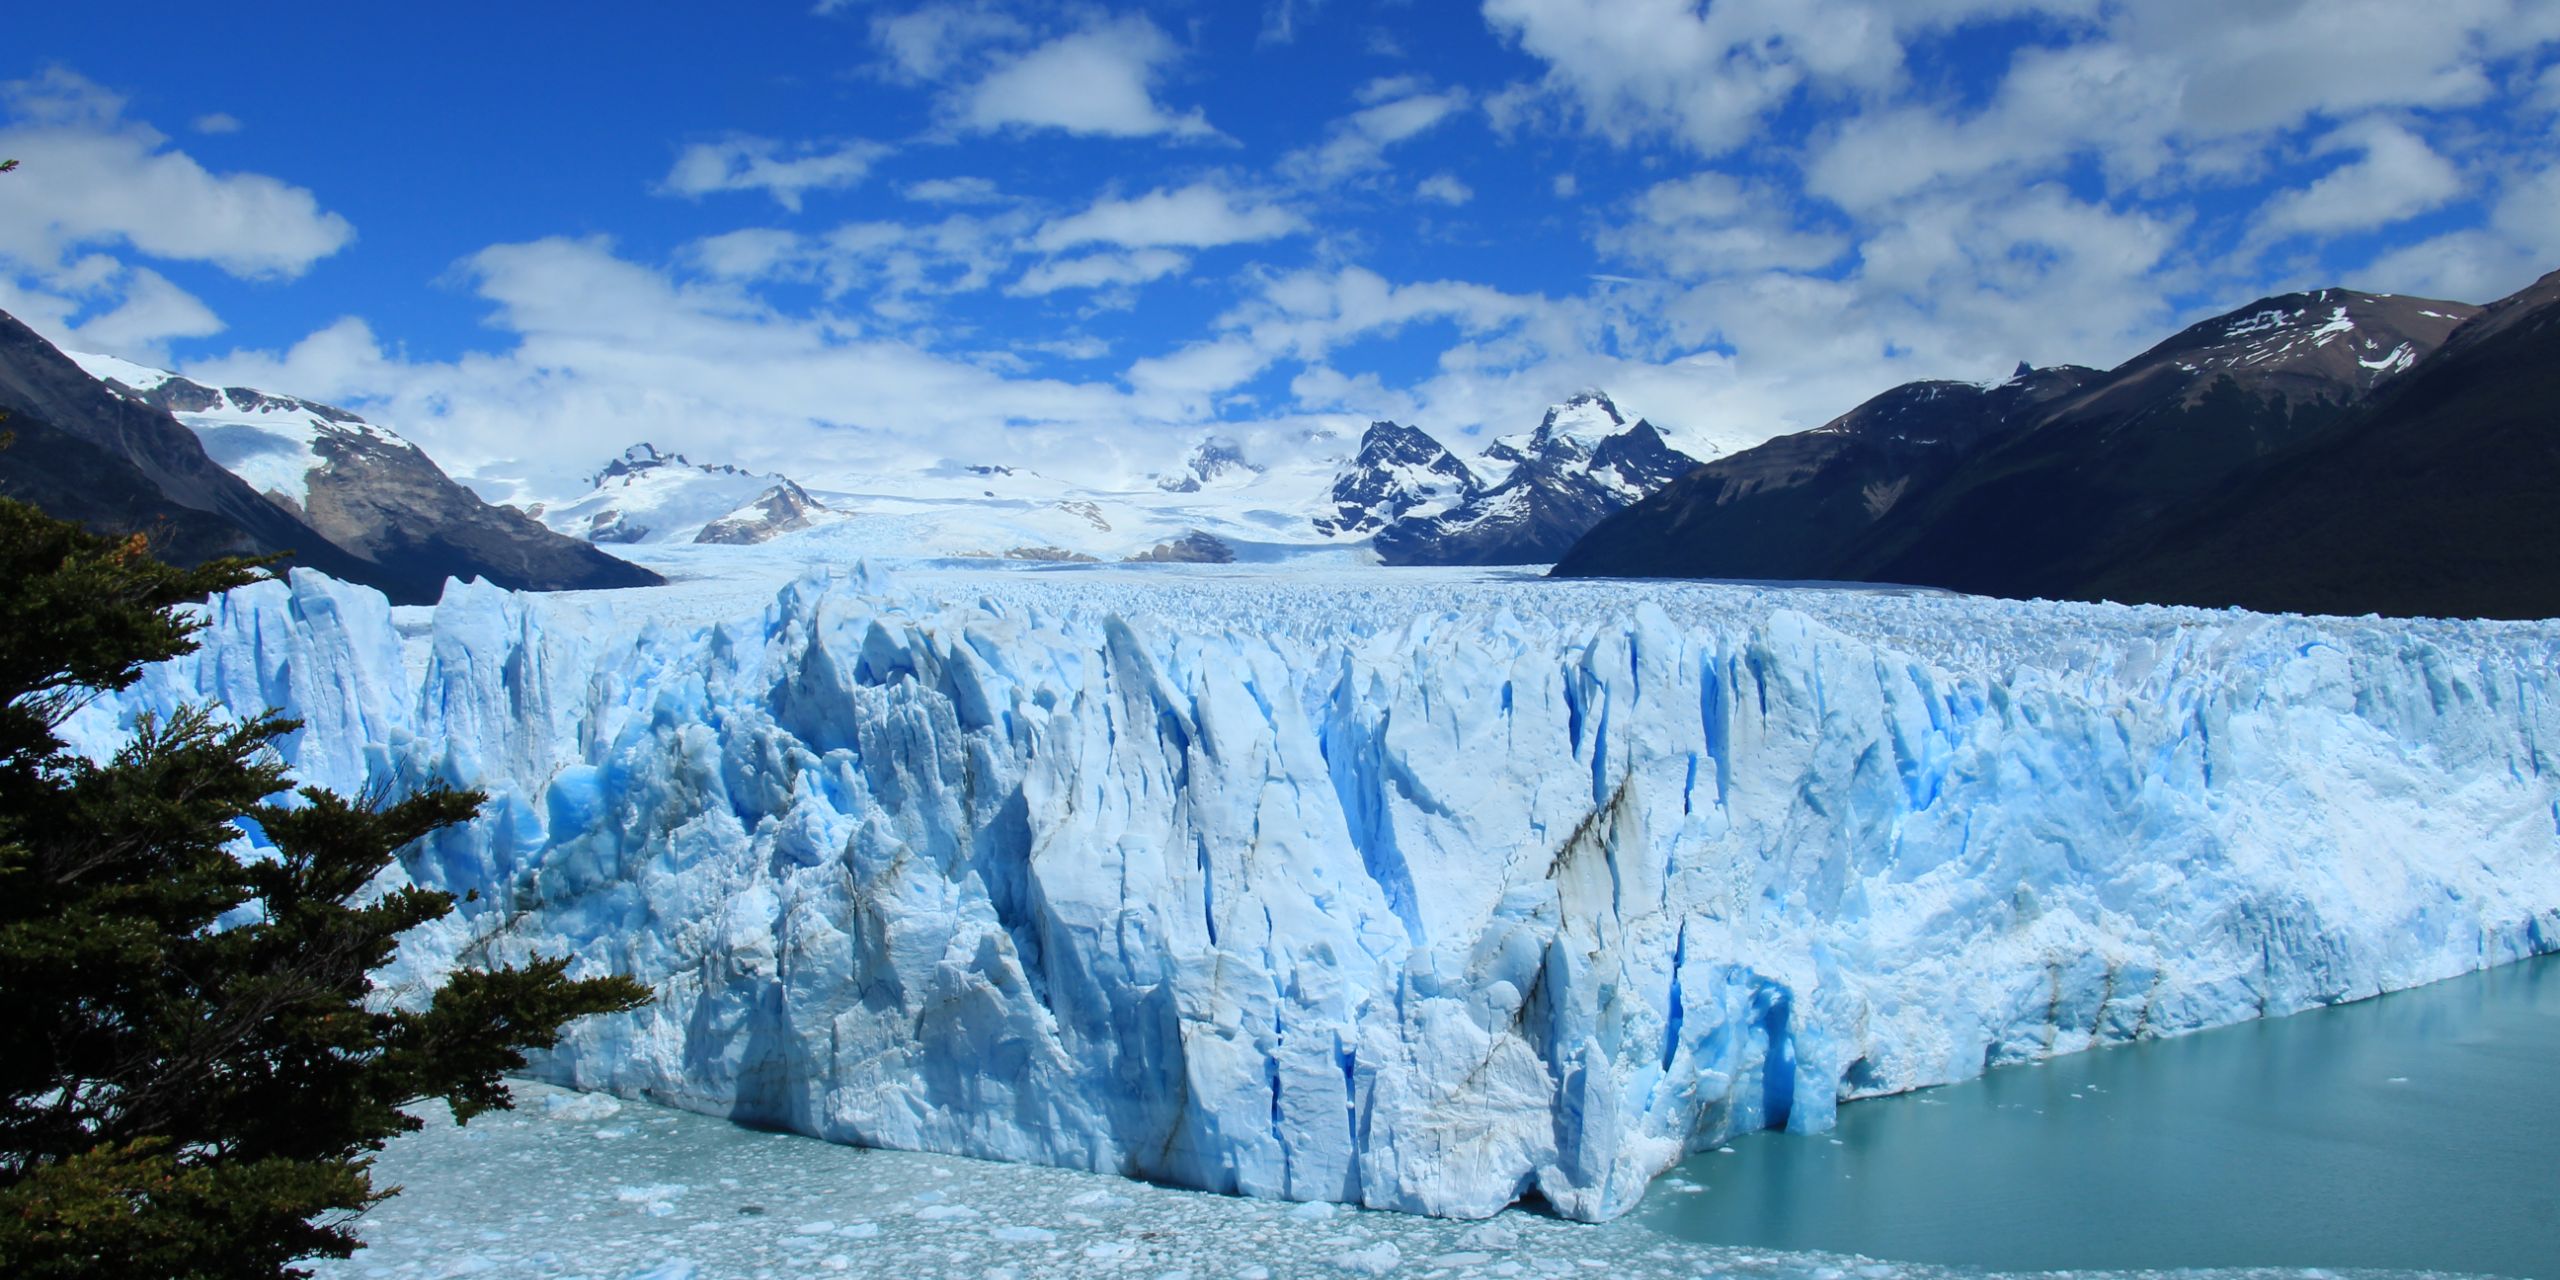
x=1425, y=897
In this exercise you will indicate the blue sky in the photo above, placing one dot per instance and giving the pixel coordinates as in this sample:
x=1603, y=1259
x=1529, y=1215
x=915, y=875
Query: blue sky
x=870, y=234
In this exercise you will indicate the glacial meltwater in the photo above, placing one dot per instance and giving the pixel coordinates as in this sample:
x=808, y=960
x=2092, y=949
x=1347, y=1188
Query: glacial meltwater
x=2418, y=1130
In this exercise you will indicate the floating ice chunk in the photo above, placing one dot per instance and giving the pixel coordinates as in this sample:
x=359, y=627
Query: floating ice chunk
x=581, y=1106
x=1376, y=1260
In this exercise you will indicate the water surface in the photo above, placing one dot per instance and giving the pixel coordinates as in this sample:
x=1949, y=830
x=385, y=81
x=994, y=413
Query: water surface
x=2418, y=1130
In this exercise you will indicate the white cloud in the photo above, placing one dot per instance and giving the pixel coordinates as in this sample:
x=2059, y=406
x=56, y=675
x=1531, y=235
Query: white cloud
x=1704, y=75
x=752, y=253
x=2199, y=87
x=1444, y=188
x=1308, y=313
x=1200, y=216
x=1358, y=143
x=1097, y=80
x=1099, y=270
x=1280, y=19
x=1714, y=224
x=890, y=264
x=965, y=190
x=785, y=171
x=928, y=43
x=2052, y=104
x=216, y=122
x=2518, y=244
x=606, y=351
x=90, y=177
x=2268, y=65
x=2396, y=176
x=1189, y=382
x=1565, y=185
x=152, y=311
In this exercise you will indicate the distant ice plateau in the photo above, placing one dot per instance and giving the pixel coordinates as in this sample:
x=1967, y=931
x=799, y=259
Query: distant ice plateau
x=1420, y=891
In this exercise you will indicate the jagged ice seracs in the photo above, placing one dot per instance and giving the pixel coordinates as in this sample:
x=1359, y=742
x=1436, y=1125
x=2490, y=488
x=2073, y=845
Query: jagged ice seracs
x=1426, y=892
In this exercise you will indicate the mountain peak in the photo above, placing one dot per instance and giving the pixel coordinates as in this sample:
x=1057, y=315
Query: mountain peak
x=1588, y=416
x=1215, y=460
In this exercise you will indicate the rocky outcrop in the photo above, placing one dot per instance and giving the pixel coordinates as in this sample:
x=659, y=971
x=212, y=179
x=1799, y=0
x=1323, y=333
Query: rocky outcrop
x=784, y=508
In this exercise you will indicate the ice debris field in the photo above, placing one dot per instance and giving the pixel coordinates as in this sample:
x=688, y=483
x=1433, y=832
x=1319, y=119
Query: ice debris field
x=582, y=1187
x=1412, y=891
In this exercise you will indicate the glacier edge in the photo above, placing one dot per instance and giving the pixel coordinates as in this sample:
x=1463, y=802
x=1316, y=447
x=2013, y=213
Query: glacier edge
x=1418, y=896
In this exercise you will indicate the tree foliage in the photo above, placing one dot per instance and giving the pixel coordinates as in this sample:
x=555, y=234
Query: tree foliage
x=192, y=1073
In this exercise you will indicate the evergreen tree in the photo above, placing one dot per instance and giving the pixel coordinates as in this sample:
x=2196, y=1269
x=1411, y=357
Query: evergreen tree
x=192, y=1076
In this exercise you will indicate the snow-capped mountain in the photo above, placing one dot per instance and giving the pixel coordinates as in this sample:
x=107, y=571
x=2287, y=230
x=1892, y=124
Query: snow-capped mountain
x=1528, y=498
x=363, y=489
x=1400, y=473
x=85, y=452
x=784, y=508
x=1212, y=463
x=1413, y=891
x=274, y=442
x=644, y=495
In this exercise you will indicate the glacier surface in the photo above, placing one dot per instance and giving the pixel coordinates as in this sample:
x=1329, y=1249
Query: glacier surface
x=1418, y=891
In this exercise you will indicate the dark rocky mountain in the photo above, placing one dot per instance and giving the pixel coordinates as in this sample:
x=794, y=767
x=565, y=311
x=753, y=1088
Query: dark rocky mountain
x=1584, y=463
x=784, y=508
x=381, y=497
x=2435, y=499
x=2027, y=489
x=1795, y=507
x=375, y=510
x=1399, y=472
x=1194, y=547
x=644, y=458
x=81, y=452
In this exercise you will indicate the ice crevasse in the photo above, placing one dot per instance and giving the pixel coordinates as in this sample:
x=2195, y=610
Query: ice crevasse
x=1426, y=896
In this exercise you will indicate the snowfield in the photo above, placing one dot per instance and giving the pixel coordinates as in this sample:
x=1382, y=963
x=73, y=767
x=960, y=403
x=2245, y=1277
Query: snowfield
x=1426, y=891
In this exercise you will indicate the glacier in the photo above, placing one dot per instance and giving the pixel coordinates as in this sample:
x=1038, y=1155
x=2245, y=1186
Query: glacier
x=1420, y=891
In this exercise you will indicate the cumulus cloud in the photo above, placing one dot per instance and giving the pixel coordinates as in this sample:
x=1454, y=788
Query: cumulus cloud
x=149, y=314
x=1704, y=75
x=784, y=171
x=2513, y=247
x=2193, y=86
x=216, y=122
x=1097, y=80
x=605, y=350
x=2394, y=176
x=1189, y=382
x=1716, y=224
x=1308, y=313
x=1200, y=216
x=1444, y=188
x=95, y=179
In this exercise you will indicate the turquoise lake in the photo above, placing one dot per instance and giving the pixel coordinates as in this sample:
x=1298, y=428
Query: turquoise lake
x=2420, y=1130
